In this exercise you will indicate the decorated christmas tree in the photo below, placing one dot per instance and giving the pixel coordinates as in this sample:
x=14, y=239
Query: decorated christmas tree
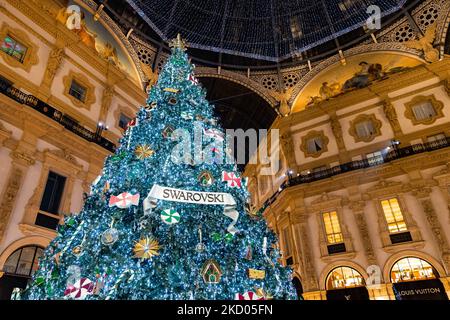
x=168, y=217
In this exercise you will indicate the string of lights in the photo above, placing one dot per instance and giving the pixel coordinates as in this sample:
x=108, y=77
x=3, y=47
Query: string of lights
x=259, y=29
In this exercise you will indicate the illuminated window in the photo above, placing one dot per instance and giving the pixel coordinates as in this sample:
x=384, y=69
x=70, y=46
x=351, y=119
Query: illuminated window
x=77, y=91
x=14, y=48
x=365, y=129
x=412, y=269
x=332, y=227
x=424, y=111
x=344, y=277
x=23, y=261
x=393, y=215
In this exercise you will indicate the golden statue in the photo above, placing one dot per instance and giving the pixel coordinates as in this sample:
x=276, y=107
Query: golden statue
x=152, y=76
x=329, y=91
x=108, y=52
x=425, y=44
x=283, y=98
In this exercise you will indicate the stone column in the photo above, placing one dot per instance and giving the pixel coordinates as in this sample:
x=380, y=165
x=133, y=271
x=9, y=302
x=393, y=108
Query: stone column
x=447, y=86
x=391, y=115
x=423, y=195
x=287, y=147
x=337, y=132
x=54, y=63
x=11, y=191
x=358, y=211
x=305, y=258
x=108, y=94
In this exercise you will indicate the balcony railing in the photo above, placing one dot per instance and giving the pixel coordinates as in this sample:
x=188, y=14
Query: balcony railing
x=67, y=122
x=394, y=154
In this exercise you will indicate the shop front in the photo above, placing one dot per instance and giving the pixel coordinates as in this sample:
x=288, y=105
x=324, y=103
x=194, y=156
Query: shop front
x=345, y=283
x=416, y=279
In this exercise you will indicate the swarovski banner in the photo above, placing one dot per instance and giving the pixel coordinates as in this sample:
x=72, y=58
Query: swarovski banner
x=197, y=197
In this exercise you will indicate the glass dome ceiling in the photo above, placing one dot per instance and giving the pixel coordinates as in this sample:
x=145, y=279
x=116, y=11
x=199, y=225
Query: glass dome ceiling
x=271, y=30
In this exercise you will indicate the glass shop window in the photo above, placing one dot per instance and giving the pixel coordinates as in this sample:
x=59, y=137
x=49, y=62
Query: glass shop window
x=365, y=129
x=23, y=261
x=344, y=277
x=77, y=91
x=14, y=48
x=412, y=269
x=48, y=215
x=424, y=110
x=332, y=227
x=394, y=216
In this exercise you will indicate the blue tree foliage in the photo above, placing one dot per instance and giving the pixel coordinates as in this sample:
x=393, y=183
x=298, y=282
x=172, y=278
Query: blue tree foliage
x=200, y=256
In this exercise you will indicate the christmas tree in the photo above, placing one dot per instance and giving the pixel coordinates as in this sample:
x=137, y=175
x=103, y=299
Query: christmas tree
x=168, y=217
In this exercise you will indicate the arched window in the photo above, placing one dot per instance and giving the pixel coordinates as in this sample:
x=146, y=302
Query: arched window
x=412, y=269
x=298, y=287
x=344, y=277
x=23, y=261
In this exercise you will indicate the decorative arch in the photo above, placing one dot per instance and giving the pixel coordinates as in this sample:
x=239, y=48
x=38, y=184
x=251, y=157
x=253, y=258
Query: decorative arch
x=341, y=263
x=207, y=72
x=23, y=242
x=443, y=27
x=392, y=48
x=410, y=253
x=298, y=284
x=116, y=33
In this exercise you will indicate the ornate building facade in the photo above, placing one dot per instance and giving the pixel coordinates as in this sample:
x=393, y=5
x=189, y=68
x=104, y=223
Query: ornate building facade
x=361, y=201
x=63, y=107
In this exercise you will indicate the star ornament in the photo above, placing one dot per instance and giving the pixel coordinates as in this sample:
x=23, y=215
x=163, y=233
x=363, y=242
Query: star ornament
x=146, y=248
x=178, y=43
x=143, y=151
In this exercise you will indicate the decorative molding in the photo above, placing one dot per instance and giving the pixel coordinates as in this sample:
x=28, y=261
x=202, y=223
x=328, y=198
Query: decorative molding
x=84, y=81
x=337, y=132
x=361, y=118
x=358, y=211
x=310, y=135
x=53, y=65
x=9, y=196
x=31, y=57
x=437, y=105
x=391, y=115
x=372, y=47
x=108, y=94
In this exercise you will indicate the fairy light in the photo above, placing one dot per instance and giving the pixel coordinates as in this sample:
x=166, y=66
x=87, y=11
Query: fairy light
x=176, y=272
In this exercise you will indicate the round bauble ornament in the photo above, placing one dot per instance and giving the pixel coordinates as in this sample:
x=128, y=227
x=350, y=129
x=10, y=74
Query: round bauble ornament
x=77, y=251
x=200, y=247
x=110, y=236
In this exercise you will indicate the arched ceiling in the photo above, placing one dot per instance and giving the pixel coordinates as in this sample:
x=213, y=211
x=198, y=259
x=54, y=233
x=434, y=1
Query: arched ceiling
x=269, y=30
x=236, y=106
x=256, y=34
